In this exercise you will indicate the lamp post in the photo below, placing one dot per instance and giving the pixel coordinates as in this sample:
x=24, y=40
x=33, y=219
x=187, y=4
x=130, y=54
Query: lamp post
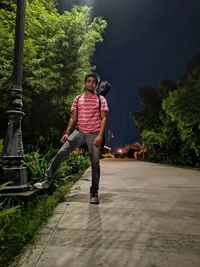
x=13, y=169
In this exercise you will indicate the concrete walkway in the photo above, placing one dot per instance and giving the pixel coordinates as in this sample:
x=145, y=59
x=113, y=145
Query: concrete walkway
x=149, y=216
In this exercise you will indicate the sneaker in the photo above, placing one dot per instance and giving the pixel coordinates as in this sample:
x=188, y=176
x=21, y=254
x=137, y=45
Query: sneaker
x=94, y=199
x=43, y=184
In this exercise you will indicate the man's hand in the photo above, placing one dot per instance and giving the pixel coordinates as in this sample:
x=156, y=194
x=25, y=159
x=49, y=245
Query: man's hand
x=64, y=138
x=98, y=140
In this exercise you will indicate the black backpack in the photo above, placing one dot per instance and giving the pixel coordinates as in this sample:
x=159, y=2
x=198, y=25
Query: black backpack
x=103, y=88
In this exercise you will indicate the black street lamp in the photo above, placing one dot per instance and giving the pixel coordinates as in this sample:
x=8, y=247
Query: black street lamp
x=13, y=169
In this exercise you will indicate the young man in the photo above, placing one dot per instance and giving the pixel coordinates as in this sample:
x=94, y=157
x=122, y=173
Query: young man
x=89, y=112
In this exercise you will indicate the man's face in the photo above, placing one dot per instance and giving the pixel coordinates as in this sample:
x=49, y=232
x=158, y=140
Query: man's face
x=90, y=83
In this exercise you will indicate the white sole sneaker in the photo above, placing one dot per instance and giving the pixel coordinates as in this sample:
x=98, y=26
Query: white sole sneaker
x=94, y=200
x=42, y=185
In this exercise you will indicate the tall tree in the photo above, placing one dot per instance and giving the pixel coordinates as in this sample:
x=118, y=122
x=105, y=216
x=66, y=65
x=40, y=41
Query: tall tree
x=182, y=107
x=149, y=116
x=57, y=54
x=177, y=110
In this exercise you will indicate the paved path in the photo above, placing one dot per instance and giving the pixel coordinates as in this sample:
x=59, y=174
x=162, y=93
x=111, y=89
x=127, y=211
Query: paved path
x=149, y=216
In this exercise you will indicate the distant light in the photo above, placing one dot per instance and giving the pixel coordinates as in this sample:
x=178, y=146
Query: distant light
x=119, y=150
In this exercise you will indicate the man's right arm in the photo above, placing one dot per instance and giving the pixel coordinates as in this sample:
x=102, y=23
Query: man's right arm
x=70, y=126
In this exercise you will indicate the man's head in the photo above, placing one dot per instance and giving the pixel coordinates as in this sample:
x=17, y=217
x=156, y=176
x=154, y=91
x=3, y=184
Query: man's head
x=91, y=81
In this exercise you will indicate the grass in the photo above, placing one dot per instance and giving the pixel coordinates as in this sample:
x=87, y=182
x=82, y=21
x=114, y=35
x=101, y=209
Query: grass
x=22, y=227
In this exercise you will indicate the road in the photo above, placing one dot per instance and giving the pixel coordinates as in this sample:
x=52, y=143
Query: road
x=148, y=216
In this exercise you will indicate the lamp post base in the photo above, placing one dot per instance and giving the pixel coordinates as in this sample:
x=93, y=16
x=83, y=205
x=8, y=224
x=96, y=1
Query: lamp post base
x=18, y=177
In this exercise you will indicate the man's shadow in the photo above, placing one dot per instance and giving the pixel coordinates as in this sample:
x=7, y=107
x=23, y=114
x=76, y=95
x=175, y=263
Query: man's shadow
x=93, y=239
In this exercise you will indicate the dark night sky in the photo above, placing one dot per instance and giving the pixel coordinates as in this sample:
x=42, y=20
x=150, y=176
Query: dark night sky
x=146, y=41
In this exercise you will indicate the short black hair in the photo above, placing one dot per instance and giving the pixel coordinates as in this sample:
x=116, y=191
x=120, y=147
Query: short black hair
x=94, y=75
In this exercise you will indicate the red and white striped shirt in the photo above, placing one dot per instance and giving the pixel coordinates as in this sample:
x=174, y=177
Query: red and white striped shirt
x=89, y=117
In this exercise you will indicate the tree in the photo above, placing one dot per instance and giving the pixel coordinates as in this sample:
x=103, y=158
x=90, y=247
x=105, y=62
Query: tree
x=57, y=53
x=149, y=117
x=170, y=118
x=182, y=107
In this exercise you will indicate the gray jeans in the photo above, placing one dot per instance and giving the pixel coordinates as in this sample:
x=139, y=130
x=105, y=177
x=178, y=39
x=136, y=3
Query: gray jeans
x=76, y=139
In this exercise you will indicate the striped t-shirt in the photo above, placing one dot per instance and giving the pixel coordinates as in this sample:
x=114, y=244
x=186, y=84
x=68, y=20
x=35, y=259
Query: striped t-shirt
x=89, y=119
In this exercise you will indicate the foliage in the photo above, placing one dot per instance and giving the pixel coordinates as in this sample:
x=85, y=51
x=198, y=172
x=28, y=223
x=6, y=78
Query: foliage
x=37, y=163
x=161, y=147
x=148, y=117
x=156, y=145
x=5, y=212
x=71, y=166
x=151, y=100
x=7, y=21
x=171, y=131
x=183, y=108
x=57, y=53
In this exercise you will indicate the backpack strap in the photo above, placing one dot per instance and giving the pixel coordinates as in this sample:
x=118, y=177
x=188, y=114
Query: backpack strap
x=77, y=105
x=98, y=95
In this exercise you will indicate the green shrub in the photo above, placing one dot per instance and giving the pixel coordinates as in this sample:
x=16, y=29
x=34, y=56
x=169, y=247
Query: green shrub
x=165, y=148
x=21, y=228
x=5, y=212
x=156, y=144
x=37, y=163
